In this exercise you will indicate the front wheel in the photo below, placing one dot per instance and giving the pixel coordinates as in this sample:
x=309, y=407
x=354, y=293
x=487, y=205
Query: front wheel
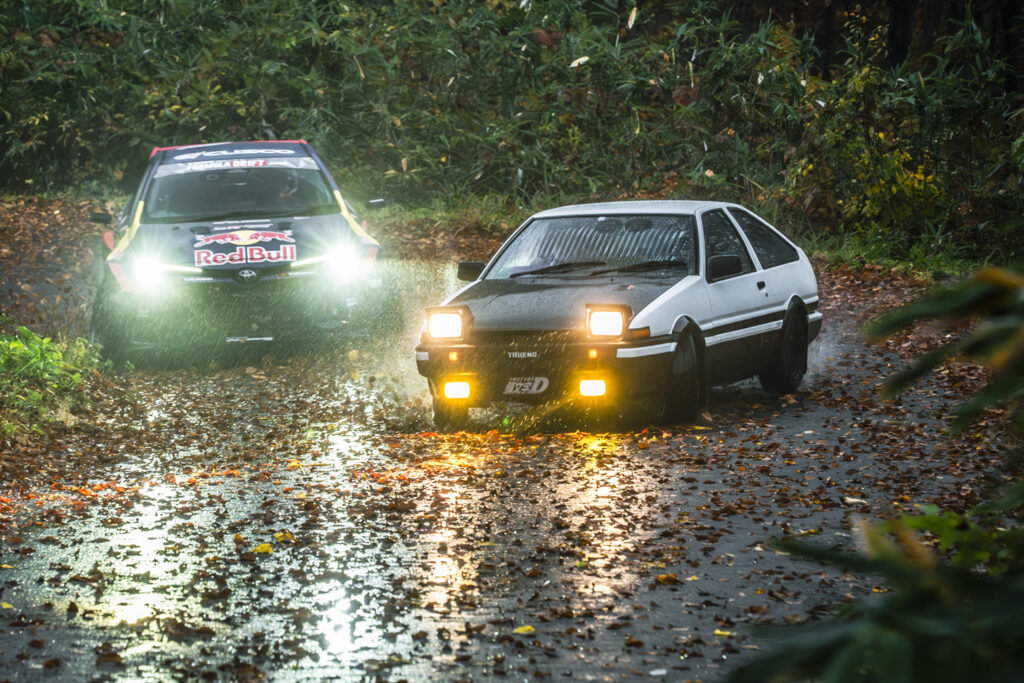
x=104, y=328
x=450, y=416
x=786, y=369
x=681, y=400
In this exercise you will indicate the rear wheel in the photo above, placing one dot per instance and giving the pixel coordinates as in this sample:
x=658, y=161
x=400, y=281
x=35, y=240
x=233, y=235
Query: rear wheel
x=786, y=369
x=682, y=398
x=450, y=416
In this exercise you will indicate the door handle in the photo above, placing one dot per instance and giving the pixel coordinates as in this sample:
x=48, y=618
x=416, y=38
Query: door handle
x=760, y=285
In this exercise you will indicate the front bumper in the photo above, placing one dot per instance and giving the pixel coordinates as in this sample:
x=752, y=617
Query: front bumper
x=545, y=368
x=214, y=311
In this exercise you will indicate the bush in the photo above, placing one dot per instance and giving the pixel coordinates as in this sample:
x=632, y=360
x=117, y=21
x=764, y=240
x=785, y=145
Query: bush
x=41, y=380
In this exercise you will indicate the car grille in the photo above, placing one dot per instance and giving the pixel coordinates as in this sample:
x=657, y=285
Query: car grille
x=514, y=339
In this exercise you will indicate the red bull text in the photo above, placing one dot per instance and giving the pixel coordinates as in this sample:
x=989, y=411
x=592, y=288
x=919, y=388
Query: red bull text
x=206, y=257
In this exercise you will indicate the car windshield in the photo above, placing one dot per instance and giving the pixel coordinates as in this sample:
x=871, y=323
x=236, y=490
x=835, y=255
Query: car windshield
x=649, y=244
x=226, y=193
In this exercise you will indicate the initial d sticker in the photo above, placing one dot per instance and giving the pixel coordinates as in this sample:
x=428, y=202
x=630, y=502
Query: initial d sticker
x=526, y=385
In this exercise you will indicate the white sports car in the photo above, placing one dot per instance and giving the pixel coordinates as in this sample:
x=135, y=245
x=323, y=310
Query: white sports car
x=614, y=305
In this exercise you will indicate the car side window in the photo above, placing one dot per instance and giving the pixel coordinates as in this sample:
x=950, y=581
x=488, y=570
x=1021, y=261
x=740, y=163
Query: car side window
x=771, y=248
x=721, y=239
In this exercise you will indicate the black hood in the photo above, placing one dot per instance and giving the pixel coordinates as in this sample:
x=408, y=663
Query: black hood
x=224, y=245
x=552, y=305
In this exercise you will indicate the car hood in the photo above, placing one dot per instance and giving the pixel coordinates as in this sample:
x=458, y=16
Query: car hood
x=256, y=243
x=536, y=306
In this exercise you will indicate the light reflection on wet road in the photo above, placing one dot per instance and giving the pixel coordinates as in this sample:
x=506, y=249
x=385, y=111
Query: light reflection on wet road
x=295, y=518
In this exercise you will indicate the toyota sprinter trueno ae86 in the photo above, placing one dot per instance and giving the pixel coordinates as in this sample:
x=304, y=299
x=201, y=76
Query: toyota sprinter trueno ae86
x=238, y=241
x=615, y=306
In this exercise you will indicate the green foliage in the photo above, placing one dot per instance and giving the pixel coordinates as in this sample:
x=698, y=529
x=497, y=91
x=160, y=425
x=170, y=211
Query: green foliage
x=41, y=380
x=914, y=160
x=428, y=101
x=957, y=580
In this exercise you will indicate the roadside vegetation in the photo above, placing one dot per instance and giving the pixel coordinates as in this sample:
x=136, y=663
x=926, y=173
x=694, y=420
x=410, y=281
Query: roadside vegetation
x=871, y=147
x=43, y=382
x=956, y=580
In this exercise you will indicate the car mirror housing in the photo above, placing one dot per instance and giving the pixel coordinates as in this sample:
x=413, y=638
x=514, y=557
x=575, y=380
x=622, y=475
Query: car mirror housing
x=468, y=271
x=724, y=266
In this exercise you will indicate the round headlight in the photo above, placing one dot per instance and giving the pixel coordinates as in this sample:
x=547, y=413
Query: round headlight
x=147, y=273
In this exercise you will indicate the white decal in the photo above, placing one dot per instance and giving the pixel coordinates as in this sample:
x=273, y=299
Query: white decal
x=526, y=385
x=229, y=153
x=206, y=257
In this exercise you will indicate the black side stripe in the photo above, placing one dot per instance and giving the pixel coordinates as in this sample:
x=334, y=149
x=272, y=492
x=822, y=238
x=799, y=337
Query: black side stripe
x=744, y=324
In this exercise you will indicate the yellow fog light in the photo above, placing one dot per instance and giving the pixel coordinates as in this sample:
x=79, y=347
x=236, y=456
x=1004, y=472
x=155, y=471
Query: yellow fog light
x=456, y=389
x=592, y=387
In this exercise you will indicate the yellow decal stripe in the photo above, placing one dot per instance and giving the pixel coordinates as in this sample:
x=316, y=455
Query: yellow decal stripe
x=353, y=223
x=128, y=236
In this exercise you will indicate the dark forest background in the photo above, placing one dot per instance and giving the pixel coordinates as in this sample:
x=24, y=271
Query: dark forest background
x=873, y=123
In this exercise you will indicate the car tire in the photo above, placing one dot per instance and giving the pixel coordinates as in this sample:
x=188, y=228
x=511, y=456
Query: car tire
x=448, y=416
x=103, y=329
x=786, y=370
x=682, y=398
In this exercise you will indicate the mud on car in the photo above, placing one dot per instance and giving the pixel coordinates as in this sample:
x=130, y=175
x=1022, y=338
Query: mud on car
x=233, y=242
x=624, y=307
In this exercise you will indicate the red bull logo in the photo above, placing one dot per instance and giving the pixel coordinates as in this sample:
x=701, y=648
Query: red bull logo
x=207, y=257
x=243, y=237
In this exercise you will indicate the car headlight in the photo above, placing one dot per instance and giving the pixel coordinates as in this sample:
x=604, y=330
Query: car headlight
x=448, y=323
x=148, y=274
x=344, y=262
x=445, y=325
x=606, y=321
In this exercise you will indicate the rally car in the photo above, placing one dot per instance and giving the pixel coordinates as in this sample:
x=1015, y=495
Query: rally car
x=624, y=306
x=233, y=242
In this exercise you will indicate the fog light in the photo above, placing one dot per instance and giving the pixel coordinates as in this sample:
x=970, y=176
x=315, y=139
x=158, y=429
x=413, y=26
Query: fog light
x=592, y=387
x=457, y=389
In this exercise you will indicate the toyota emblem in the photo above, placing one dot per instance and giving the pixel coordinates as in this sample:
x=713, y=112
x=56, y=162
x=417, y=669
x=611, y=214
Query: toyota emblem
x=246, y=276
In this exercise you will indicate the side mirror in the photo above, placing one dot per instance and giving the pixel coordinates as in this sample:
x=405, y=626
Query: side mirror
x=469, y=271
x=101, y=217
x=724, y=266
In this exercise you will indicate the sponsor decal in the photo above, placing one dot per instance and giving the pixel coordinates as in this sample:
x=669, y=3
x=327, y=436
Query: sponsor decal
x=232, y=163
x=522, y=354
x=214, y=153
x=241, y=255
x=526, y=385
x=244, y=237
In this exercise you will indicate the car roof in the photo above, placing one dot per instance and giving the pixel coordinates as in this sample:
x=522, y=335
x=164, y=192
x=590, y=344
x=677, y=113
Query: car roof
x=214, y=150
x=653, y=206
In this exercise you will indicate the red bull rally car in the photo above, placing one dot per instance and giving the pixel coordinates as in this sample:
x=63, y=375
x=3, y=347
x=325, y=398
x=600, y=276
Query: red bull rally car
x=623, y=308
x=233, y=242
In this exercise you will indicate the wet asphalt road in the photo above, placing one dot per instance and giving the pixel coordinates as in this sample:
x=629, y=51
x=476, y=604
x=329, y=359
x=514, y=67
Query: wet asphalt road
x=292, y=516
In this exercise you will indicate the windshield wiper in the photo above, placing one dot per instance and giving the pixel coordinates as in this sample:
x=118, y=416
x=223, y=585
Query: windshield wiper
x=643, y=265
x=558, y=267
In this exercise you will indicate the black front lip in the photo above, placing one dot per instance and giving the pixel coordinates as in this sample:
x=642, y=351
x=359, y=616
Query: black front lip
x=491, y=369
x=221, y=309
